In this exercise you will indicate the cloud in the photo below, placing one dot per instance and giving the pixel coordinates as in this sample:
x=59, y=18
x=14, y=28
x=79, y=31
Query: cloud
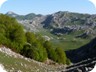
x=1, y=2
x=94, y=2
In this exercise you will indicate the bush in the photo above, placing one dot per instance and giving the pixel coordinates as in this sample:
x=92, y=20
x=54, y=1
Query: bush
x=50, y=51
x=30, y=37
x=61, y=56
x=68, y=62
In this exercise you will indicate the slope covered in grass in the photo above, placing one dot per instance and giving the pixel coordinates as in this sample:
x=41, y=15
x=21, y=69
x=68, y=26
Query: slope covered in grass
x=15, y=62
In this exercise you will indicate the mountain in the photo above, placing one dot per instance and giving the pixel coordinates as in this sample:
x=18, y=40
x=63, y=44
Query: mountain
x=62, y=28
x=79, y=25
x=22, y=17
x=12, y=14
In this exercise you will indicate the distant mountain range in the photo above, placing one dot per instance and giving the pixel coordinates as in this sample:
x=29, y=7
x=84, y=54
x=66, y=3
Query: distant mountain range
x=79, y=25
x=22, y=17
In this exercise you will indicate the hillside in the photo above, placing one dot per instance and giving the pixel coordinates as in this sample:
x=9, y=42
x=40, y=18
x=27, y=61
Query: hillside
x=84, y=58
x=14, y=62
x=85, y=52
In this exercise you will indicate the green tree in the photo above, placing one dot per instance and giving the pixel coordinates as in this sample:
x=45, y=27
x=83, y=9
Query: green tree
x=30, y=37
x=61, y=56
x=68, y=62
x=37, y=47
x=41, y=51
x=50, y=51
x=12, y=32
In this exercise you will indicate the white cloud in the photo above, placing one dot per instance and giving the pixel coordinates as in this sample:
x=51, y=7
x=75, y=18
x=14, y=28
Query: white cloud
x=93, y=1
x=2, y=1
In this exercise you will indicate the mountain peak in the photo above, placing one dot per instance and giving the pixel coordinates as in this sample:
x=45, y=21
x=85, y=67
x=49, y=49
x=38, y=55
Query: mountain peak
x=10, y=13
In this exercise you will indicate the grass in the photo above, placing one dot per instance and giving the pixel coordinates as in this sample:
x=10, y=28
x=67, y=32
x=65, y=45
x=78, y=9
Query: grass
x=18, y=64
x=12, y=64
x=67, y=42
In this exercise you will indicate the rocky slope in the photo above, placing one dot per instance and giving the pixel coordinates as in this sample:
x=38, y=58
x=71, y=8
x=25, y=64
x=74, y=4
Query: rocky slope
x=83, y=66
x=14, y=62
x=81, y=25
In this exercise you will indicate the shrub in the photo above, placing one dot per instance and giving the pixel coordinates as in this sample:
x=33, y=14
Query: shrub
x=50, y=51
x=61, y=56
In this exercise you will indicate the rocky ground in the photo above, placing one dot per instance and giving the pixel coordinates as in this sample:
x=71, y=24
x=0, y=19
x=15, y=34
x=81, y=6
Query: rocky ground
x=42, y=66
x=83, y=66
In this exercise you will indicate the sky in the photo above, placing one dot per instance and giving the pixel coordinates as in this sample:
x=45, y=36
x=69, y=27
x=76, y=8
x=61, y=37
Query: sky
x=47, y=6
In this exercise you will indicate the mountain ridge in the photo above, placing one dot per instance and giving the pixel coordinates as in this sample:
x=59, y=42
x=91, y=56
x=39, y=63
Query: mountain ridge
x=83, y=25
